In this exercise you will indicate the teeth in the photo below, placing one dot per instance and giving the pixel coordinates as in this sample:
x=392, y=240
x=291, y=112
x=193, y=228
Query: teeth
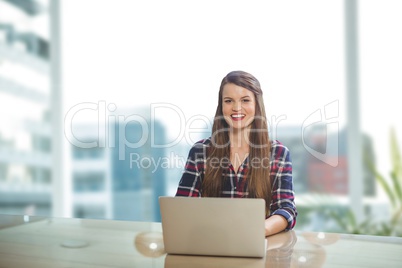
x=237, y=115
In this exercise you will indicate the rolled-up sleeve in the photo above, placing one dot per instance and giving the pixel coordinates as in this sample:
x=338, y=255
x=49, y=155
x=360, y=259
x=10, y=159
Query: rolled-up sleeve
x=282, y=185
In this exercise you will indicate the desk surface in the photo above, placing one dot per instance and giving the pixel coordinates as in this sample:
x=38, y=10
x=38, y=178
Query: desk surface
x=55, y=242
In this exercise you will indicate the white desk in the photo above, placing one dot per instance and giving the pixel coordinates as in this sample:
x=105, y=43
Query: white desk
x=55, y=242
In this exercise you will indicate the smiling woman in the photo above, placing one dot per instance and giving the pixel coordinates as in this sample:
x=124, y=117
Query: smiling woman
x=239, y=160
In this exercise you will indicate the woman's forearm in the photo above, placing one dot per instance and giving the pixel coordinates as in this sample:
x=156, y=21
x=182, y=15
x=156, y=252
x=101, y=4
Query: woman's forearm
x=275, y=224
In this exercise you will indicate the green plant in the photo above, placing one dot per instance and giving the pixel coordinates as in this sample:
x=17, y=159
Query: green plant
x=346, y=220
x=392, y=187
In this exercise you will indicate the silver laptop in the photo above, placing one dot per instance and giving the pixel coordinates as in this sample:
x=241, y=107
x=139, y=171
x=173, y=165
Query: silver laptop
x=213, y=226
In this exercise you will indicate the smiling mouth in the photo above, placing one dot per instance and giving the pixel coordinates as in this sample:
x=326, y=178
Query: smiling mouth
x=237, y=117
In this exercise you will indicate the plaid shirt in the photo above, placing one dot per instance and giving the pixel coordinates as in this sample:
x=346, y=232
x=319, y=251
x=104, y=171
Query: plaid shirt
x=282, y=199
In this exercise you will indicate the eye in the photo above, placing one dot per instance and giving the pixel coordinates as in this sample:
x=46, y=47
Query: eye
x=245, y=100
x=227, y=101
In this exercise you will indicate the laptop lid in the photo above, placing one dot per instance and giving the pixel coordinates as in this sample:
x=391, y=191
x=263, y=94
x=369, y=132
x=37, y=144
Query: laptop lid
x=213, y=226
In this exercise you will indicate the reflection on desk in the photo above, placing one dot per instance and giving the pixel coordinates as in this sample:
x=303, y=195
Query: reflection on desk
x=54, y=242
x=279, y=253
x=150, y=244
x=183, y=261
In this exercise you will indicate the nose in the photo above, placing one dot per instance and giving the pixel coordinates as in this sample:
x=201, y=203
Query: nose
x=236, y=106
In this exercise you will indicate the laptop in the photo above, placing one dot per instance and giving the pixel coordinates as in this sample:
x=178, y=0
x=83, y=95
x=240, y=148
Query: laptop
x=213, y=226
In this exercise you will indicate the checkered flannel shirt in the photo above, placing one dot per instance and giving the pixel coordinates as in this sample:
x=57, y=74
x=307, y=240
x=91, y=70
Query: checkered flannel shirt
x=282, y=199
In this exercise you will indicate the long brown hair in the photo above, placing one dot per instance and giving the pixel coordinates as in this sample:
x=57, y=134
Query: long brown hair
x=258, y=176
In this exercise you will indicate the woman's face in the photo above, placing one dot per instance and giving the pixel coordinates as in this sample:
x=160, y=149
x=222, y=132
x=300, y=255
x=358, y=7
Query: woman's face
x=238, y=106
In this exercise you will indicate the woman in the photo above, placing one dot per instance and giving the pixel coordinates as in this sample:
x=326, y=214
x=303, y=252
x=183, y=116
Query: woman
x=239, y=160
